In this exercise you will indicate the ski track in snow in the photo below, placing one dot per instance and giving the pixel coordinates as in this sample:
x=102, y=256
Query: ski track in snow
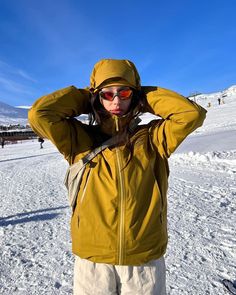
x=34, y=224
x=202, y=241
x=35, y=246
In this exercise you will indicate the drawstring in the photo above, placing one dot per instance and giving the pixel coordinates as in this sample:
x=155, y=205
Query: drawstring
x=117, y=123
x=132, y=125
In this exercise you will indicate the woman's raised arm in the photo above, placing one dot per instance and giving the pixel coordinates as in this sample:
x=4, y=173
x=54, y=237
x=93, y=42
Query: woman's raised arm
x=52, y=117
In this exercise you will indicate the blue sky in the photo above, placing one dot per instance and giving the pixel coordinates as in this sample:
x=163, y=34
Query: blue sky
x=183, y=45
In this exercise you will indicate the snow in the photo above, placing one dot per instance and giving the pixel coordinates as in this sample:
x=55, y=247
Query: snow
x=35, y=247
x=23, y=107
x=6, y=121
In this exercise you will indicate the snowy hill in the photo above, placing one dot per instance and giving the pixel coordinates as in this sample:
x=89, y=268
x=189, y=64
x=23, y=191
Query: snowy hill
x=12, y=112
x=18, y=115
x=225, y=96
x=219, y=128
x=12, y=115
x=35, y=248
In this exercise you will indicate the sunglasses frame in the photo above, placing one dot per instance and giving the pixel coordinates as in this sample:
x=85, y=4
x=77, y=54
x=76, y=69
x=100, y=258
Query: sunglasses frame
x=116, y=94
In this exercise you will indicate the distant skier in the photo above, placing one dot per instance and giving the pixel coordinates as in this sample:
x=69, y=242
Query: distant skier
x=2, y=141
x=41, y=141
x=219, y=101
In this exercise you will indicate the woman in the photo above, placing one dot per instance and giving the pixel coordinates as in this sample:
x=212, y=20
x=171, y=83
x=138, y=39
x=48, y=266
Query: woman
x=119, y=222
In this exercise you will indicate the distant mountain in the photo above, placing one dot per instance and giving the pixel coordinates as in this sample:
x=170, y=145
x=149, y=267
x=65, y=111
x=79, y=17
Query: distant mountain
x=10, y=115
x=12, y=112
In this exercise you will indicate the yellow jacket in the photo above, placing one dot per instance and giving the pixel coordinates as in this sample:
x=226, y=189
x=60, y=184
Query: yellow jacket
x=121, y=211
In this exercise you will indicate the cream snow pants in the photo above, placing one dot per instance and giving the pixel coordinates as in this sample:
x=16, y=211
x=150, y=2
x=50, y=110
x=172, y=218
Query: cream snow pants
x=105, y=279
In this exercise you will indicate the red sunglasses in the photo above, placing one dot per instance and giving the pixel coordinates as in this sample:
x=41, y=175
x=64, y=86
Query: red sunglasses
x=123, y=94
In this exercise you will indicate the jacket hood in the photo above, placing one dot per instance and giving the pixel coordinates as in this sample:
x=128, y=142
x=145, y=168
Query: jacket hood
x=114, y=72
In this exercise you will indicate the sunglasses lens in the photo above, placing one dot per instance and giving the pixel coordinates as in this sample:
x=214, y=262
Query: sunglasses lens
x=108, y=95
x=122, y=94
x=125, y=93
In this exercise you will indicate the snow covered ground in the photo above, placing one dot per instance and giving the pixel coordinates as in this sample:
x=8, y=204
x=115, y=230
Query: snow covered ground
x=35, y=246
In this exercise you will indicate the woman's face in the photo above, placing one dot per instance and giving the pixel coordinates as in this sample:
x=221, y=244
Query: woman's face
x=116, y=99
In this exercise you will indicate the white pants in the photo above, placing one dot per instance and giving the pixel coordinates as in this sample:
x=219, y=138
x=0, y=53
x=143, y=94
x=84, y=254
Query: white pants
x=106, y=279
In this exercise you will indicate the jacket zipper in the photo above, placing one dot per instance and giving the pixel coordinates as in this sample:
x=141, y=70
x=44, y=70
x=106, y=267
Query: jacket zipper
x=121, y=238
x=161, y=214
x=162, y=201
x=162, y=204
x=122, y=209
x=161, y=197
x=85, y=187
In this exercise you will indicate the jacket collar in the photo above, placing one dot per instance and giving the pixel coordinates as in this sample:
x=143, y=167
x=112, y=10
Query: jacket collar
x=116, y=124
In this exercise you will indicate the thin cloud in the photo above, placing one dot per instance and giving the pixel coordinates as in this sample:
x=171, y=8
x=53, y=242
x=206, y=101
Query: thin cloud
x=15, y=84
x=26, y=76
x=9, y=70
x=13, y=87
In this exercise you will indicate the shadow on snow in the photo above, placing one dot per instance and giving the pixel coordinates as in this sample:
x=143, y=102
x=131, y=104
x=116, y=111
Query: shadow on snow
x=30, y=216
x=27, y=157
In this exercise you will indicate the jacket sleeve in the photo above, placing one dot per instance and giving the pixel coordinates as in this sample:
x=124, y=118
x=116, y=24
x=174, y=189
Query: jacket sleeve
x=52, y=117
x=180, y=116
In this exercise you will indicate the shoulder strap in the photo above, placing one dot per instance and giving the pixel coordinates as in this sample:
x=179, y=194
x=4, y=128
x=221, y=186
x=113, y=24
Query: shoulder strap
x=75, y=172
x=74, y=168
x=97, y=150
x=107, y=143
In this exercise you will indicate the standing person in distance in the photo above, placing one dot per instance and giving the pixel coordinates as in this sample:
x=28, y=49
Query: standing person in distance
x=119, y=221
x=41, y=141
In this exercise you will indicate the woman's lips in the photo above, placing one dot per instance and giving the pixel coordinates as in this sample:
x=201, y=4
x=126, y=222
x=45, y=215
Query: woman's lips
x=115, y=112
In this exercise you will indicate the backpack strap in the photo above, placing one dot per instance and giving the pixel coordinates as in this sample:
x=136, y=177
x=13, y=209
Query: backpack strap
x=75, y=172
x=87, y=158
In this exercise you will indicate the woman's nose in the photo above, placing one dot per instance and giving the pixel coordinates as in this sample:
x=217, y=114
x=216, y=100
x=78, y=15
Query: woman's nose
x=116, y=100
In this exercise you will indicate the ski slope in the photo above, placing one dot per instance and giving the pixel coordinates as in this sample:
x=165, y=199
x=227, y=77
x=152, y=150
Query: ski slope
x=35, y=247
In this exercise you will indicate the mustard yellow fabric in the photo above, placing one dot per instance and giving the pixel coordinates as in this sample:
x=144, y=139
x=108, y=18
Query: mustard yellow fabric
x=108, y=72
x=121, y=211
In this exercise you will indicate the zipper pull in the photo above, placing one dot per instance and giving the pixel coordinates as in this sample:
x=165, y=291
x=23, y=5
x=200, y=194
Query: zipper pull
x=117, y=123
x=161, y=217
